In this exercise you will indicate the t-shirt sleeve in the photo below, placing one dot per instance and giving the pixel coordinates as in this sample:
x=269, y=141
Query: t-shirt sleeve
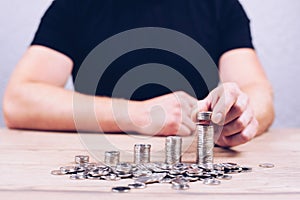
x=234, y=26
x=56, y=29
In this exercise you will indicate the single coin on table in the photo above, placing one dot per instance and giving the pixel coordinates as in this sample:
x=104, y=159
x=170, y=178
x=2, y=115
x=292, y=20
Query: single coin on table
x=183, y=186
x=77, y=177
x=225, y=177
x=266, y=165
x=211, y=181
x=57, y=172
x=120, y=189
x=137, y=185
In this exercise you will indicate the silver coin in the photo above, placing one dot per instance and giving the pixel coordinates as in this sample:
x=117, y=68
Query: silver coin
x=77, y=177
x=57, y=172
x=94, y=177
x=111, y=177
x=225, y=177
x=137, y=185
x=124, y=175
x=166, y=180
x=180, y=180
x=266, y=165
x=120, y=189
x=204, y=116
x=180, y=186
x=81, y=159
x=210, y=181
x=191, y=179
x=124, y=167
x=180, y=183
x=246, y=169
x=68, y=169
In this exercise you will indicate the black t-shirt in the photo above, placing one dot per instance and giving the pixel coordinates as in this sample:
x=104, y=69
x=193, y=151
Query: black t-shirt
x=76, y=27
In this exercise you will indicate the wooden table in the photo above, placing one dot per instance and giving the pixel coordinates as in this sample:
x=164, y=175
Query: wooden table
x=26, y=159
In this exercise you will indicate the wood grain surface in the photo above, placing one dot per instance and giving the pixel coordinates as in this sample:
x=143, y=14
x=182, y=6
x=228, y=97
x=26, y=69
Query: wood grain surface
x=27, y=157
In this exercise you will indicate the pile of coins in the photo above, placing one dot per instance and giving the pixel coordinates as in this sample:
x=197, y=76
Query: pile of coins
x=172, y=171
x=179, y=175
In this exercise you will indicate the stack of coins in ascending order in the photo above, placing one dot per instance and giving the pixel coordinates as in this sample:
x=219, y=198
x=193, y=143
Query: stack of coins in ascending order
x=205, y=135
x=112, y=158
x=142, y=153
x=173, y=149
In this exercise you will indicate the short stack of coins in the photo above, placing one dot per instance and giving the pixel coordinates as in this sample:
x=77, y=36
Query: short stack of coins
x=173, y=147
x=81, y=159
x=142, y=153
x=205, y=136
x=112, y=158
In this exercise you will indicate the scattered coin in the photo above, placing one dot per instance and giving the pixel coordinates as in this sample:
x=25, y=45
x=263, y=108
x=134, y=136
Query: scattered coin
x=178, y=174
x=120, y=189
x=180, y=183
x=180, y=186
x=137, y=185
x=112, y=177
x=57, y=172
x=211, y=181
x=166, y=180
x=266, y=165
x=68, y=169
x=246, y=169
x=225, y=177
x=78, y=177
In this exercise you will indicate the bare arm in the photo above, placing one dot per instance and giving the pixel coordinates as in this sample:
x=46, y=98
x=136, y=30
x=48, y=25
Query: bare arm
x=243, y=103
x=36, y=99
x=242, y=66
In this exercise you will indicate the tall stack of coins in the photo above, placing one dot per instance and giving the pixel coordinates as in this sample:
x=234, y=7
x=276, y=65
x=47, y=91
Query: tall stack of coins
x=142, y=153
x=173, y=149
x=205, y=134
x=112, y=158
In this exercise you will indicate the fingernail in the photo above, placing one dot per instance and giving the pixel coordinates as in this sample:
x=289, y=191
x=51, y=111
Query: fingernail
x=217, y=118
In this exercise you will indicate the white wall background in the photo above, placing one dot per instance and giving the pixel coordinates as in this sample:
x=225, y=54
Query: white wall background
x=275, y=28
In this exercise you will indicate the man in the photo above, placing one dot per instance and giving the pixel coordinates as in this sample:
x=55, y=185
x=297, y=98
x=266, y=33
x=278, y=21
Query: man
x=243, y=103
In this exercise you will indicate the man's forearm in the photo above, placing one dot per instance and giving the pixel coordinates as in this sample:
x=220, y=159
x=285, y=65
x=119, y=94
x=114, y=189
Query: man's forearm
x=45, y=107
x=261, y=100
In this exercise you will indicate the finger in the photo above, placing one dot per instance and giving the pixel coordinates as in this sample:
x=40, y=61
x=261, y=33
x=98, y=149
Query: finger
x=191, y=101
x=187, y=121
x=238, y=124
x=201, y=106
x=238, y=108
x=214, y=96
x=245, y=136
x=186, y=108
x=223, y=105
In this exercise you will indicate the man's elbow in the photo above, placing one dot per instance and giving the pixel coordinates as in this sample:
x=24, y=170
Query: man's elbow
x=11, y=111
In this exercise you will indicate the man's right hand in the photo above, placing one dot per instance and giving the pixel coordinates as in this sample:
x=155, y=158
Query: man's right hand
x=165, y=115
